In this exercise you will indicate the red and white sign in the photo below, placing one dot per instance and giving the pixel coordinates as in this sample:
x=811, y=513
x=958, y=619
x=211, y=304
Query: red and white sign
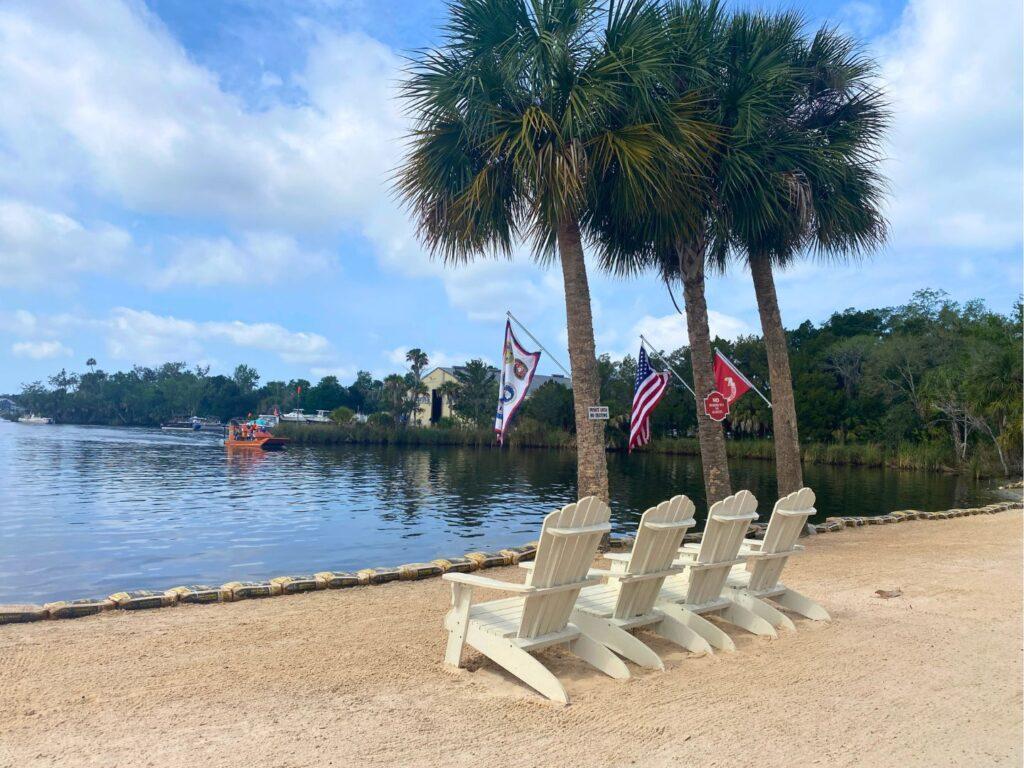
x=716, y=406
x=728, y=380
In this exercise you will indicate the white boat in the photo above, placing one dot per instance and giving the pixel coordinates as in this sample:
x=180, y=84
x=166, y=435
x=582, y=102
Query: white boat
x=33, y=419
x=270, y=419
x=299, y=417
x=195, y=424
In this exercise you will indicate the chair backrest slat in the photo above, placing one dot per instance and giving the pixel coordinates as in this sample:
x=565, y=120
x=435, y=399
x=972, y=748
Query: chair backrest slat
x=788, y=518
x=658, y=538
x=561, y=559
x=726, y=526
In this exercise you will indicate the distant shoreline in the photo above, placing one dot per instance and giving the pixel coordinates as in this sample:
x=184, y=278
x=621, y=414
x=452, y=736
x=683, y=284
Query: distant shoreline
x=927, y=457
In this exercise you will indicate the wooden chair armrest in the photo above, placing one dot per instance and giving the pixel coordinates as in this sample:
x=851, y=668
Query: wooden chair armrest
x=621, y=557
x=692, y=565
x=598, y=528
x=753, y=543
x=472, y=580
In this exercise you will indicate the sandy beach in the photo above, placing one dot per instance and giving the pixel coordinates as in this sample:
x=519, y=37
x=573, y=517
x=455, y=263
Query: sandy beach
x=354, y=677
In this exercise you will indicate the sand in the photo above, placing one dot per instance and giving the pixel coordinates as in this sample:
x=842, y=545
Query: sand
x=354, y=677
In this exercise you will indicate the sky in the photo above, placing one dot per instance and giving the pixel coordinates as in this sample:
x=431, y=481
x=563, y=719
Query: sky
x=209, y=182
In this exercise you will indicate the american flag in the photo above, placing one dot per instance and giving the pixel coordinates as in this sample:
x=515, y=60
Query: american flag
x=650, y=386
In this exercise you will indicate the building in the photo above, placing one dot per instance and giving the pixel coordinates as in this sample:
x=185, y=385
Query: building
x=434, y=405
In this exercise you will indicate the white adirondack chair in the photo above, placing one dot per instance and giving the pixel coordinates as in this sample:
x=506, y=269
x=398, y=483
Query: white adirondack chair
x=759, y=581
x=607, y=612
x=699, y=590
x=507, y=630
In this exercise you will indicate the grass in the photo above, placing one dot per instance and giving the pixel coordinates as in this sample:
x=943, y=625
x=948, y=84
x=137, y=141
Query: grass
x=531, y=434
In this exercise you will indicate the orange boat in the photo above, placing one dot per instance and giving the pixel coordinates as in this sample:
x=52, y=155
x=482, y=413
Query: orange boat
x=254, y=436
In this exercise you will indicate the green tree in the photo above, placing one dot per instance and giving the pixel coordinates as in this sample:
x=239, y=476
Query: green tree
x=678, y=230
x=522, y=113
x=476, y=395
x=246, y=378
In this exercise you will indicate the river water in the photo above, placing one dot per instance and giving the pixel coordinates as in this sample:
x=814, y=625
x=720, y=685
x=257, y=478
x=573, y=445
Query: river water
x=87, y=511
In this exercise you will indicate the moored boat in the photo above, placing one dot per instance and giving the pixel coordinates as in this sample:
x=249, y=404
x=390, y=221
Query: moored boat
x=194, y=424
x=33, y=419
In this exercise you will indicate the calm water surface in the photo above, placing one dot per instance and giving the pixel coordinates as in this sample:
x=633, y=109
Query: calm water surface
x=86, y=511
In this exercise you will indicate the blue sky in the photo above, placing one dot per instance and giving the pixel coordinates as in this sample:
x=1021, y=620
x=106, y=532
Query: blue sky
x=208, y=182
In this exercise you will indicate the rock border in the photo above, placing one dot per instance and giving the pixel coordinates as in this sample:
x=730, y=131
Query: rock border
x=232, y=591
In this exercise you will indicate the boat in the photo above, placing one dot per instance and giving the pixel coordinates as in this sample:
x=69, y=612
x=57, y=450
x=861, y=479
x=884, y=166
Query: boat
x=252, y=435
x=33, y=419
x=195, y=424
x=270, y=419
x=298, y=416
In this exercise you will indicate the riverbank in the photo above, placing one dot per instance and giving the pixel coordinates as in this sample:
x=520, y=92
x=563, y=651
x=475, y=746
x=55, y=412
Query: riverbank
x=933, y=457
x=355, y=677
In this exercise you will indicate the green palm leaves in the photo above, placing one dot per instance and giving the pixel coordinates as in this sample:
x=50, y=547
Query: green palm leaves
x=529, y=110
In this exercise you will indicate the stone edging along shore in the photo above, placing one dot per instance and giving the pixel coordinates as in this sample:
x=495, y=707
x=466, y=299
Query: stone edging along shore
x=471, y=561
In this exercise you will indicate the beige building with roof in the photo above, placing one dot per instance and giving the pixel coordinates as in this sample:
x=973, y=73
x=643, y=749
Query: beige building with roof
x=433, y=405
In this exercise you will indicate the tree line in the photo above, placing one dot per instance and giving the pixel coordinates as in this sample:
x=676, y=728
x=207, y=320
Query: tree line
x=931, y=372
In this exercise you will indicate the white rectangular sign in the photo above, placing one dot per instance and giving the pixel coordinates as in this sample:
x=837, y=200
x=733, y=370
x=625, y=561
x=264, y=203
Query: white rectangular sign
x=597, y=412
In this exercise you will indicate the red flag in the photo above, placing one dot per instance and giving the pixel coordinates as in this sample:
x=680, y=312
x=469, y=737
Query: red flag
x=728, y=379
x=298, y=390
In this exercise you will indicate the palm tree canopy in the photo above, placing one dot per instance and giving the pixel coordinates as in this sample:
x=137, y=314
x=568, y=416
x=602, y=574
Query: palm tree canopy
x=821, y=150
x=798, y=123
x=529, y=109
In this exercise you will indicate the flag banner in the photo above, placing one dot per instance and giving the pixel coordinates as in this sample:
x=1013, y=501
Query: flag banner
x=728, y=380
x=650, y=387
x=517, y=369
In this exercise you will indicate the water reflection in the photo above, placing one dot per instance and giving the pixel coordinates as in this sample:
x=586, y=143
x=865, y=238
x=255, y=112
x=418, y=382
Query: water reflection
x=94, y=510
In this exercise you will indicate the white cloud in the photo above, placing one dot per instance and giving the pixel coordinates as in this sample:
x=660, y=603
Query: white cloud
x=953, y=73
x=140, y=336
x=159, y=133
x=261, y=258
x=437, y=358
x=39, y=350
x=39, y=247
x=669, y=332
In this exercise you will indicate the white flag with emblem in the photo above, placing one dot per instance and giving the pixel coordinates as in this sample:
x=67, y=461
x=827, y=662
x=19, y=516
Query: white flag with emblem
x=517, y=369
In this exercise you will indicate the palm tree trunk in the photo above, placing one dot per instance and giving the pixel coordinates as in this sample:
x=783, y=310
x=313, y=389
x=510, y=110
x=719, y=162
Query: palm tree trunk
x=713, y=458
x=591, y=463
x=788, y=471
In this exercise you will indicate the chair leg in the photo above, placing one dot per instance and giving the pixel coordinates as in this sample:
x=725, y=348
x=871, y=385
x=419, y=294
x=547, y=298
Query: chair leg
x=797, y=603
x=748, y=620
x=599, y=657
x=762, y=608
x=617, y=639
x=680, y=634
x=518, y=662
x=457, y=622
x=715, y=636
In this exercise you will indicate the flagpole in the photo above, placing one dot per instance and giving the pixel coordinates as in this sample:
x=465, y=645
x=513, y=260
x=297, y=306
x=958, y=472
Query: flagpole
x=742, y=376
x=664, y=362
x=526, y=330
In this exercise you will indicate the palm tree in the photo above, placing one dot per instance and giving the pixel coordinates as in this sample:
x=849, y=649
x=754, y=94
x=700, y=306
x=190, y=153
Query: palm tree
x=91, y=363
x=823, y=192
x=417, y=360
x=527, y=109
x=735, y=64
